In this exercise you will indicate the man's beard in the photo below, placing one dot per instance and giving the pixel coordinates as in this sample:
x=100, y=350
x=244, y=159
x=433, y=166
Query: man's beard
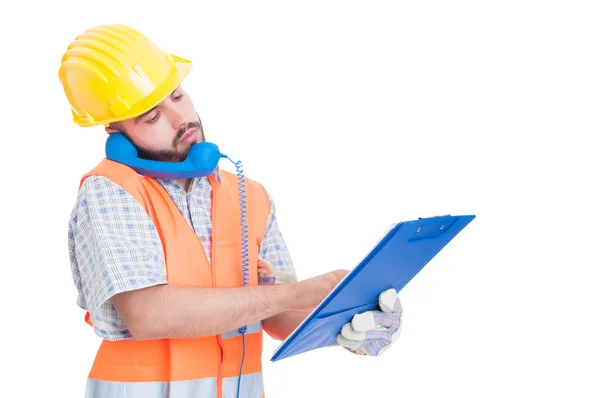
x=171, y=155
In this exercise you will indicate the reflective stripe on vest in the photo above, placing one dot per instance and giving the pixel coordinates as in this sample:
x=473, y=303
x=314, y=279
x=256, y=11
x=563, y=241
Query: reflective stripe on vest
x=252, y=386
x=202, y=367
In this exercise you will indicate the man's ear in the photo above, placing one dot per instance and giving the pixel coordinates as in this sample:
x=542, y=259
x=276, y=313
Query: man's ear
x=111, y=128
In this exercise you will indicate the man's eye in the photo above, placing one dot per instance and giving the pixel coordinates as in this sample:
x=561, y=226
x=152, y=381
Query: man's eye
x=177, y=97
x=154, y=118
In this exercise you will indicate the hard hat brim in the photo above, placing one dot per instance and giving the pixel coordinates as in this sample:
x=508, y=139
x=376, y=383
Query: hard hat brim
x=181, y=70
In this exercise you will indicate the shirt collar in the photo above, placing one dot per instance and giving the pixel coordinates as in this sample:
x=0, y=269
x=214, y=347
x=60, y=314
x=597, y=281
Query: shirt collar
x=215, y=175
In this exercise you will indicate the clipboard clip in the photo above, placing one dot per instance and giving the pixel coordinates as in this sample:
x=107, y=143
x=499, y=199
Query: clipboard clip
x=426, y=231
x=445, y=215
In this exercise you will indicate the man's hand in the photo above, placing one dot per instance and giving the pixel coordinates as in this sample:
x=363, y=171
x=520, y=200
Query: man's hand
x=373, y=332
x=309, y=294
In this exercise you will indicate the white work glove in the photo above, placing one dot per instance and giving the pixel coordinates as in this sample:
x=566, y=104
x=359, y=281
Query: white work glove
x=266, y=275
x=373, y=332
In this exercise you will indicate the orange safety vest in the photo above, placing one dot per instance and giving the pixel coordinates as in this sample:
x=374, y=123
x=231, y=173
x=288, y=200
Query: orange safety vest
x=197, y=367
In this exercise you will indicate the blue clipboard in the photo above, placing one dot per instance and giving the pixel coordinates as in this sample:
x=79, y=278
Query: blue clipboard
x=402, y=252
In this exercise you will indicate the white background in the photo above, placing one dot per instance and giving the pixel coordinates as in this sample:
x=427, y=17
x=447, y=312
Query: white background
x=354, y=115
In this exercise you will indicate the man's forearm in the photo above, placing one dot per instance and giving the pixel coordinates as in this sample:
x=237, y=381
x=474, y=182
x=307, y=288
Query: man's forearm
x=169, y=311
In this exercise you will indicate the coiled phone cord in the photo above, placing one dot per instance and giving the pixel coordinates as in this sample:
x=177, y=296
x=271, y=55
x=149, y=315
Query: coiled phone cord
x=245, y=257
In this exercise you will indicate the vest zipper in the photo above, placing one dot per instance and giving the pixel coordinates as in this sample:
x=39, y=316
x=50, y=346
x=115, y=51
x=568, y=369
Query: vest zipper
x=220, y=374
x=219, y=340
x=214, y=283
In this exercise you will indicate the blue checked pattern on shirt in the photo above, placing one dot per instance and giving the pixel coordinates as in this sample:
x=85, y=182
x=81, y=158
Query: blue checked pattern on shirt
x=114, y=246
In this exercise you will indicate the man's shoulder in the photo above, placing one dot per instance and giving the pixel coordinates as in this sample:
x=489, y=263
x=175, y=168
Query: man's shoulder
x=233, y=177
x=250, y=186
x=113, y=176
x=100, y=189
x=98, y=182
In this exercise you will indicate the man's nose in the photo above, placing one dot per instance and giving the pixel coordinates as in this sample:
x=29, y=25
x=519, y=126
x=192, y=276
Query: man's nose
x=177, y=118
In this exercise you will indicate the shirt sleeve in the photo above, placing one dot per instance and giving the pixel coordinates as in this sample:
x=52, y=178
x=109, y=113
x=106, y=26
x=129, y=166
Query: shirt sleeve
x=274, y=250
x=114, y=247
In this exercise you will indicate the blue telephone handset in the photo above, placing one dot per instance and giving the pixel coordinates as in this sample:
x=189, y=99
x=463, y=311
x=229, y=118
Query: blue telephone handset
x=202, y=159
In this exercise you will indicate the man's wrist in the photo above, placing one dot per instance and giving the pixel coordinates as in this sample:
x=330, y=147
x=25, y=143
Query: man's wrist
x=289, y=294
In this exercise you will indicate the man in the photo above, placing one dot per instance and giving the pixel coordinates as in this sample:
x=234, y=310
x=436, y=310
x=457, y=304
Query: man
x=157, y=261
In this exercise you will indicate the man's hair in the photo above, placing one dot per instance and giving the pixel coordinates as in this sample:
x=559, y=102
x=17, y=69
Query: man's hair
x=116, y=126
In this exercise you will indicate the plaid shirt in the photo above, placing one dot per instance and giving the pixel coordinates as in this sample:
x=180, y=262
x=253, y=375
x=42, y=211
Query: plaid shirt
x=114, y=246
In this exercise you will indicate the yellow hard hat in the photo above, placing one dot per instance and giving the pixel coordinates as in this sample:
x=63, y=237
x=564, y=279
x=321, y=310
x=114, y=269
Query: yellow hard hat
x=113, y=72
